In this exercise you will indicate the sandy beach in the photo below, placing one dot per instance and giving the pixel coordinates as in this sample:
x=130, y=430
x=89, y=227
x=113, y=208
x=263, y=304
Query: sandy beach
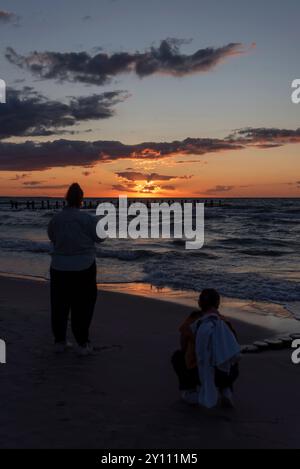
x=125, y=395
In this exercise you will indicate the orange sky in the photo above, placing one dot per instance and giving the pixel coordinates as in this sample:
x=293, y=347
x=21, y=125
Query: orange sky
x=244, y=81
x=247, y=173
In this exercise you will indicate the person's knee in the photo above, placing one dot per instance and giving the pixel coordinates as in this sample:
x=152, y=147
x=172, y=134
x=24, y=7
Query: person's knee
x=177, y=357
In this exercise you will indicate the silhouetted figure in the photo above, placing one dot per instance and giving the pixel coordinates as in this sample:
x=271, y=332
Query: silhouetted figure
x=205, y=337
x=73, y=271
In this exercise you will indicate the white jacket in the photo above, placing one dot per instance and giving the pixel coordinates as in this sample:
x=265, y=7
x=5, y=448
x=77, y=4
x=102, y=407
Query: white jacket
x=216, y=347
x=73, y=236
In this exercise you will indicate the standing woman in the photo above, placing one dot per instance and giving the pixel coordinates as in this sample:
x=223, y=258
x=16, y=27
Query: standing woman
x=73, y=272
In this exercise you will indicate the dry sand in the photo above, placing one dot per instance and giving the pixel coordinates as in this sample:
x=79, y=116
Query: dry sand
x=125, y=396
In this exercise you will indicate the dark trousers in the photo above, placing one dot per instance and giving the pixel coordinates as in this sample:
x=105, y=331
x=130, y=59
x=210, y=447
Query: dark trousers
x=189, y=378
x=74, y=292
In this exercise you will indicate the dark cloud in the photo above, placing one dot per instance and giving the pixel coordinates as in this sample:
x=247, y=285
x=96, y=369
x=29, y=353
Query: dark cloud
x=134, y=181
x=28, y=113
x=296, y=183
x=18, y=177
x=60, y=153
x=137, y=176
x=32, y=183
x=265, y=137
x=47, y=186
x=168, y=187
x=31, y=155
x=190, y=161
x=218, y=189
x=102, y=67
x=8, y=17
x=123, y=187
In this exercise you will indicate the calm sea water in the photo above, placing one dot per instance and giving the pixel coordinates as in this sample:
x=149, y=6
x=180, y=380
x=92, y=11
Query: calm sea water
x=251, y=251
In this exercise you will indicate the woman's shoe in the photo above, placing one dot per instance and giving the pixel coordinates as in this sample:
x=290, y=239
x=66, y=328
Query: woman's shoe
x=61, y=347
x=84, y=350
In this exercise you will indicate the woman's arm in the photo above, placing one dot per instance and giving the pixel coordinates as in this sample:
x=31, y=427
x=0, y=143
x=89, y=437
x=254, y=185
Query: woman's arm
x=93, y=230
x=50, y=231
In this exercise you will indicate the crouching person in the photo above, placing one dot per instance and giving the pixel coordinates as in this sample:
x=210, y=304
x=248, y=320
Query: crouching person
x=207, y=364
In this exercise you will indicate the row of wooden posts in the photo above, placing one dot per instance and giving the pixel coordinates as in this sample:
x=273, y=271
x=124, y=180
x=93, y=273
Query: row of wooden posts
x=92, y=204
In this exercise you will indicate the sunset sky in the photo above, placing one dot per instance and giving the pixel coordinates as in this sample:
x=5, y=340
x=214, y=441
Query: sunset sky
x=165, y=98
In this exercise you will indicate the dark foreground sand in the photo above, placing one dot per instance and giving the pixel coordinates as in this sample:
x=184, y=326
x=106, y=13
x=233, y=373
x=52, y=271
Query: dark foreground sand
x=125, y=396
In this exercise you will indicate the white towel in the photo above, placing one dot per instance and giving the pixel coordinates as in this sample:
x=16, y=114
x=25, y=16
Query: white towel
x=216, y=347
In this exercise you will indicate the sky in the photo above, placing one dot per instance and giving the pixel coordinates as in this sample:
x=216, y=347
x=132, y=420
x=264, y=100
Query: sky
x=172, y=99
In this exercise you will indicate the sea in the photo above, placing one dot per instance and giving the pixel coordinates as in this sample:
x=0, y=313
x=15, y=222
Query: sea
x=251, y=251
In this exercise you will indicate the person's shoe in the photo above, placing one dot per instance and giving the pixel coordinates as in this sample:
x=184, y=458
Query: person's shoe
x=190, y=397
x=227, y=399
x=84, y=350
x=61, y=347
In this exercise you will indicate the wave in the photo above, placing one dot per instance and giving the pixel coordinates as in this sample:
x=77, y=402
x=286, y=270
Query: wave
x=234, y=242
x=244, y=285
x=140, y=254
x=125, y=254
x=293, y=210
x=48, y=214
x=288, y=221
x=264, y=252
x=24, y=245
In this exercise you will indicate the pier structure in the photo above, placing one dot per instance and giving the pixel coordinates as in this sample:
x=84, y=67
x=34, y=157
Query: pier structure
x=92, y=203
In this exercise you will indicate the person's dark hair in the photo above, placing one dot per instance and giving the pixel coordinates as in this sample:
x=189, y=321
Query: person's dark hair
x=209, y=298
x=74, y=195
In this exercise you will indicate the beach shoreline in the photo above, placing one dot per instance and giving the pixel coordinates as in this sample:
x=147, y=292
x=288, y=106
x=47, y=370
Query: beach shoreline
x=278, y=319
x=125, y=395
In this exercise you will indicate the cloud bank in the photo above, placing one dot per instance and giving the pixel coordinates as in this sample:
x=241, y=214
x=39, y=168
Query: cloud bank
x=32, y=155
x=28, y=113
x=134, y=181
x=99, y=69
x=219, y=189
x=265, y=137
x=137, y=176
